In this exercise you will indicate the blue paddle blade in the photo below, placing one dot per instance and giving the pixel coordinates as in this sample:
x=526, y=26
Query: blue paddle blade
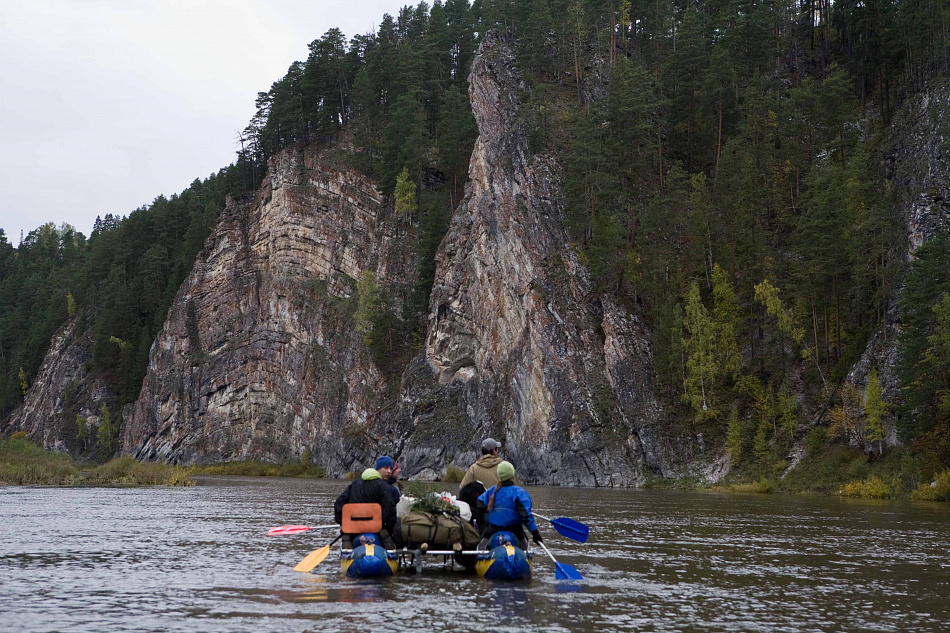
x=563, y=571
x=574, y=530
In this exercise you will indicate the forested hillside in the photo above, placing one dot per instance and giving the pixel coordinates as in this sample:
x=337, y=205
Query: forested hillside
x=723, y=168
x=118, y=284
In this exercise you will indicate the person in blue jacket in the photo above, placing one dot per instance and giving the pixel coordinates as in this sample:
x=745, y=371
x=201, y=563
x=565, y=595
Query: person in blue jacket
x=507, y=507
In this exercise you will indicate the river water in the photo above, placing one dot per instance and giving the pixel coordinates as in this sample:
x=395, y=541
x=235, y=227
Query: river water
x=199, y=559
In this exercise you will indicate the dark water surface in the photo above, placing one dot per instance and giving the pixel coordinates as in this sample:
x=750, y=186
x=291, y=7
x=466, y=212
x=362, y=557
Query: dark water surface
x=199, y=559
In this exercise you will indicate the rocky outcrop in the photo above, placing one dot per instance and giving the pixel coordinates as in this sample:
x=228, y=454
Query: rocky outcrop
x=260, y=356
x=518, y=345
x=918, y=166
x=66, y=388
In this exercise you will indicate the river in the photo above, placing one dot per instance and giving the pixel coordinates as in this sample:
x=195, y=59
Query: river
x=199, y=559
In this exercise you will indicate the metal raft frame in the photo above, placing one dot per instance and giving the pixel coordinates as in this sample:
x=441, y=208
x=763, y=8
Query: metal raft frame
x=413, y=558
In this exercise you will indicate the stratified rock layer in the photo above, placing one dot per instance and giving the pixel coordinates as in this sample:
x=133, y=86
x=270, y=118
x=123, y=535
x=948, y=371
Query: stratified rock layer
x=260, y=357
x=519, y=346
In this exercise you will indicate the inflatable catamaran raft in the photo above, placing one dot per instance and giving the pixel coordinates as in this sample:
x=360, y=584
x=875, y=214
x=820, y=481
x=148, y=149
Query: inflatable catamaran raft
x=445, y=538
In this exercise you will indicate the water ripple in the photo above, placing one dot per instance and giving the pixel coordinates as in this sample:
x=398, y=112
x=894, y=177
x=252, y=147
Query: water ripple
x=199, y=559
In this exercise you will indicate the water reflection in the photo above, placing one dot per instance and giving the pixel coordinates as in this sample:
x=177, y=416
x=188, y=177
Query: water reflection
x=199, y=560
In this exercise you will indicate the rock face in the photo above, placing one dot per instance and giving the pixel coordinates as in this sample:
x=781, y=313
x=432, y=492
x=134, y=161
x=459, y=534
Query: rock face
x=64, y=388
x=255, y=360
x=918, y=166
x=259, y=356
x=518, y=346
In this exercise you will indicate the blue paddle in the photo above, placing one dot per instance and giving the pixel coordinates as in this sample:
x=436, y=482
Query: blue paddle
x=574, y=530
x=562, y=571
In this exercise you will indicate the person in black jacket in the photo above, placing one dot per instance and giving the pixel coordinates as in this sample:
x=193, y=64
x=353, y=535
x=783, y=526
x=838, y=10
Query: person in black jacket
x=371, y=487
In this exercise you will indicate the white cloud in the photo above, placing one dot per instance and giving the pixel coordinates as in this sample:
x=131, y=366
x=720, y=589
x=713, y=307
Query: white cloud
x=107, y=104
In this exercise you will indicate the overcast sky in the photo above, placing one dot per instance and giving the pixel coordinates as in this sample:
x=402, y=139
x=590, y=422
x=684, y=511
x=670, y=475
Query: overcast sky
x=105, y=104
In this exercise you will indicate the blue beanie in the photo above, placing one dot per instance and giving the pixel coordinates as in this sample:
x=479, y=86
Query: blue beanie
x=384, y=462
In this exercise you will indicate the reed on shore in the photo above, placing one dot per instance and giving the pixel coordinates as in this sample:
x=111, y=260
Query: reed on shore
x=24, y=463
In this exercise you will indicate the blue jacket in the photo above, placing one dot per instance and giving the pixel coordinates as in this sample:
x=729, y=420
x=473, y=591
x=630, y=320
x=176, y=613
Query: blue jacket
x=512, y=506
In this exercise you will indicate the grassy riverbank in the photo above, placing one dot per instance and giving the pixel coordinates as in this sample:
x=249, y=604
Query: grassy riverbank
x=261, y=469
x=25, y=463
x=844, y=471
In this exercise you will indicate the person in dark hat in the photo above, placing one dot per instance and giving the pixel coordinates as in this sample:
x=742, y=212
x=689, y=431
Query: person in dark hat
x=373, y=487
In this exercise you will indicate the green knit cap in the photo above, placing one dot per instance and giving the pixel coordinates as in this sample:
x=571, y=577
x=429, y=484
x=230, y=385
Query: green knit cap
x=371, y=473
x=505, y=471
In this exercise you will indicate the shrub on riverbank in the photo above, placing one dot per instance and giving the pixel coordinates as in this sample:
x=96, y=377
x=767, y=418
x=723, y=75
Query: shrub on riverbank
x=825, y=470
x=938, y=491
x=453, y=474
x=25, y=463
x=129, y=472
x=871, y=488
x=261, y=469
x=762, y=486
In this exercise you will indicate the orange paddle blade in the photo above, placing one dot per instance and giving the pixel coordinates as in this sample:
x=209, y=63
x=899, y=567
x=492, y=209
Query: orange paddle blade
x=313, y=559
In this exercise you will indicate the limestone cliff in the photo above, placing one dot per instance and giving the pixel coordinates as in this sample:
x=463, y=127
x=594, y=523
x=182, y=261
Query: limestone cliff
x=259, y=356
x=518, y=345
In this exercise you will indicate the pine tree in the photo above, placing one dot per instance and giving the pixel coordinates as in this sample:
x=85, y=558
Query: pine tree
x=735, y=438
x=921, y=373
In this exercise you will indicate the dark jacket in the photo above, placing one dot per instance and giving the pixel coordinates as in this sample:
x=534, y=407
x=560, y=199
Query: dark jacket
x=396, y=488
x=469, y=494
x=369, y=491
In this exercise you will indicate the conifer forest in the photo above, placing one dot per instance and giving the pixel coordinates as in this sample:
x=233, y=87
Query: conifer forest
x=723, y=167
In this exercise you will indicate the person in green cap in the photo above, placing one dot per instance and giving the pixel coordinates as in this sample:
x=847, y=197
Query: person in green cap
x=508, y=507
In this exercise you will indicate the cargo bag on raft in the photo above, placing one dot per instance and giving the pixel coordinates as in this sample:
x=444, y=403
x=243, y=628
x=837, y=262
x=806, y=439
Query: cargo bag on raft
x=438, y=530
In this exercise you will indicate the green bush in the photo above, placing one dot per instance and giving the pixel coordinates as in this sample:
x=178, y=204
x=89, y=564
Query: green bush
x=261, y=469
x=453, y=474
x=22, y=463
x=815, y=440
x=859, y=468
x=938, y=491
x=127, y=471
x=871, y=488
x=762, y=486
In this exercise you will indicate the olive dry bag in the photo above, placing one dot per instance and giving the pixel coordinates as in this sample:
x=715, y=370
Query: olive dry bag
x=437, y=530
